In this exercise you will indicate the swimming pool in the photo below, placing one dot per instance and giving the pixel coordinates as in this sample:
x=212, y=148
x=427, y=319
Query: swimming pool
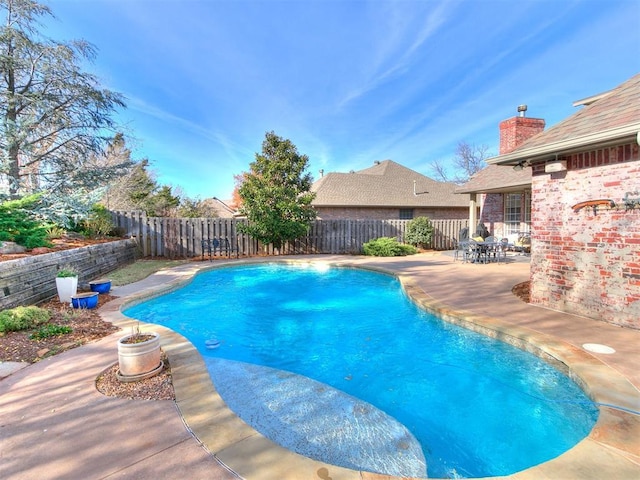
x=474, y=404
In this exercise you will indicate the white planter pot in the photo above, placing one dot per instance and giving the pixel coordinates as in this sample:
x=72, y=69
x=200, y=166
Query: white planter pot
x=141, y=360
x=67, y=287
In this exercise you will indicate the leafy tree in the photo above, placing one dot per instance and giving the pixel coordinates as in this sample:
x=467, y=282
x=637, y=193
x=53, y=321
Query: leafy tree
x=469, y=160
x=54, y=115
x=276, y=193
x=419, y=232
x=236, y=199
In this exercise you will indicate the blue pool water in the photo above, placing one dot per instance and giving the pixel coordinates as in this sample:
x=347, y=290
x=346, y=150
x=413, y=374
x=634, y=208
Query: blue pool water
x=478, y=407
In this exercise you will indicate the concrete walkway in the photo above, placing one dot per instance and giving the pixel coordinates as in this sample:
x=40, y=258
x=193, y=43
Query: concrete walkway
x=54, y=424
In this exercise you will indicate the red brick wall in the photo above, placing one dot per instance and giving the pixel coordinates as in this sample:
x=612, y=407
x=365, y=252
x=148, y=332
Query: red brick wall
x=587, y=262
x=349, y=213
x=492, y=213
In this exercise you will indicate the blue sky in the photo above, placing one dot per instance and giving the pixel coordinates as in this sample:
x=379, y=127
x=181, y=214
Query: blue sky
x=348, y=82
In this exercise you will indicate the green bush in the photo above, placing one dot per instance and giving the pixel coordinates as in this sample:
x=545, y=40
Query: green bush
x=387, y=247
x=55, y=231
x=419, y=232
x=99, y=223
x=49, y=330
x=22, y=318
x=19, y=224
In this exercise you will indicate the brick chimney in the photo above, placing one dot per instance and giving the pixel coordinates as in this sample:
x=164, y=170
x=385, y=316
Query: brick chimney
x=516, y=130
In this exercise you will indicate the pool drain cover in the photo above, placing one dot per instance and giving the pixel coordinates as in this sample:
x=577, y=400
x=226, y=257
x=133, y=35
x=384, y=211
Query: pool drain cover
x=598, y=348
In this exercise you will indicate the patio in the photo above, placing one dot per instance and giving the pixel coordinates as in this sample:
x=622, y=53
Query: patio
x=55, y=424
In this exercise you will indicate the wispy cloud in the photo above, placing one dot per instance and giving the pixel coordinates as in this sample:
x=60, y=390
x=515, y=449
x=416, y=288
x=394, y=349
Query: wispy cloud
x=395, y=50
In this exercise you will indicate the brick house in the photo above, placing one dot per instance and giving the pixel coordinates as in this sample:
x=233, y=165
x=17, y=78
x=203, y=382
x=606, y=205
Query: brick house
x=387, y=190
x=500, y=198
x=585, y=259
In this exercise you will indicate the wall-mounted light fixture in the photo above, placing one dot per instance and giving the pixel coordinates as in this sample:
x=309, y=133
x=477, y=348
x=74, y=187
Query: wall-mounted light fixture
x=557, y=166
x=520, y=165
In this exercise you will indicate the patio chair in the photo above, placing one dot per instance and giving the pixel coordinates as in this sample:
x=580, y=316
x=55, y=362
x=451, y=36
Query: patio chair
x=489, y=247
x=501, y=248
x=210, y=246
x=523, y=244
x=477, y=251
x=461, y=251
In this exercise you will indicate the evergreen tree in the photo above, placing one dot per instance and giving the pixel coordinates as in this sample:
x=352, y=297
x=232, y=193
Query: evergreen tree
x=275, y=193
x=54, y=115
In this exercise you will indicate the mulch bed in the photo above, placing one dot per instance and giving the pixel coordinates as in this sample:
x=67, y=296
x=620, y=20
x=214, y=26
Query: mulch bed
x=86, y=326
x=522, y=291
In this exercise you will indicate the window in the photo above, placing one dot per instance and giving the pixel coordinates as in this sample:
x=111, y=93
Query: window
x=527, y=211
x=512, y=213
x=515, y=221
x=406, y=213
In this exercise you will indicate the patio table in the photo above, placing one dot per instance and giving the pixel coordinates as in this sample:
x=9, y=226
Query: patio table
x=481, y=252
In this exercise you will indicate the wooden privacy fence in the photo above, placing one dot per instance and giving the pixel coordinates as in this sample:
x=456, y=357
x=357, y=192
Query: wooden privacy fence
x=183, y=237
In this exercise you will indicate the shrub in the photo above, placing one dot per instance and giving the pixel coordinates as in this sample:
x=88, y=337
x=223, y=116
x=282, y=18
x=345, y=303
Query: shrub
x=22, y=318
x=419, y=232
x=19, y=224
x=387, y=247
x=49, y=330
x=99, y=223
x=55, y=231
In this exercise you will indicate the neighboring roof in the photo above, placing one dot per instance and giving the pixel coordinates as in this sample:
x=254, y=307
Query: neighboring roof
x=497, y=178
x=222, y=209
x=386, y=184
x=606, y=119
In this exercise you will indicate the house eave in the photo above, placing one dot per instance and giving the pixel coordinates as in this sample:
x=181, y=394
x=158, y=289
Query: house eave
x=514, y=187
x=550, y=150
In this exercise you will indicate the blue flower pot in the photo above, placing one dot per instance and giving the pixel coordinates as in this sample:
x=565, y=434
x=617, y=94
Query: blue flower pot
x=85, y=300
x=100, y=286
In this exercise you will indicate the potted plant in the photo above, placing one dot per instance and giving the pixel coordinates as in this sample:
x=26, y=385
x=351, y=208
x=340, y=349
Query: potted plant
x=139, y=356
x=66, y=284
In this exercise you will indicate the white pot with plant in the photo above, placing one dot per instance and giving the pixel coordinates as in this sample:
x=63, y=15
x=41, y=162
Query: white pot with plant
x=139, y=356
x=66, y=284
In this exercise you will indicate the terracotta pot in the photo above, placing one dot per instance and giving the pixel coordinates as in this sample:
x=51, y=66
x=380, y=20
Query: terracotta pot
x=139, y=360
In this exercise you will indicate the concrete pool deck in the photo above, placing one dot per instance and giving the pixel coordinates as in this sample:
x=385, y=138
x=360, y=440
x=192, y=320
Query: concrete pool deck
x=54, y=424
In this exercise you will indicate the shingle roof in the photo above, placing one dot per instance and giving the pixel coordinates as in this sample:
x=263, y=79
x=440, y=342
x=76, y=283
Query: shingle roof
x=609, y=117
x=386, y=184
x=497, y=178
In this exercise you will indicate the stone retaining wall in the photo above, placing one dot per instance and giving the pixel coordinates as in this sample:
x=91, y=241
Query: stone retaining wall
x=30, y=280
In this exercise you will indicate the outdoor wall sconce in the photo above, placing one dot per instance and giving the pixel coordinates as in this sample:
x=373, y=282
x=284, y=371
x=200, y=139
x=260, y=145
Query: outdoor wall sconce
x=520, y=165
x=557, y=166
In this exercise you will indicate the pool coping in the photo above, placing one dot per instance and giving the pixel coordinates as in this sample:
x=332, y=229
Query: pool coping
x=604, y=453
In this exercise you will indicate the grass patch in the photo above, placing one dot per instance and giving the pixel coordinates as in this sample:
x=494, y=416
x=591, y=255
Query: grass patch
x=140, y=270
